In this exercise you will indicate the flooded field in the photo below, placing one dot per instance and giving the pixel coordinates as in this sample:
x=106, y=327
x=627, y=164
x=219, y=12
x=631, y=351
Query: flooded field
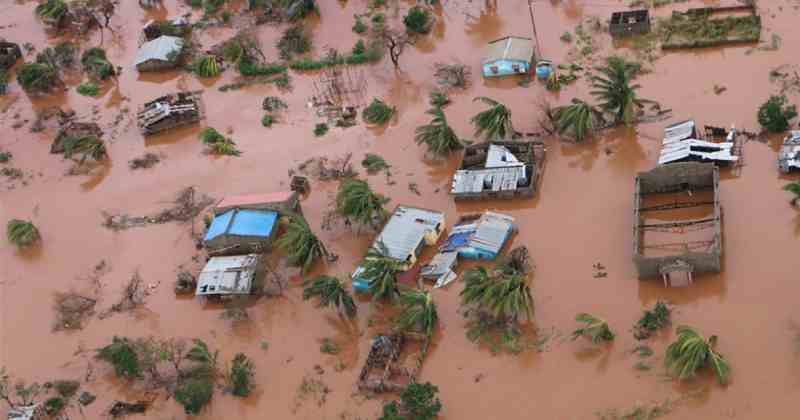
x=582, y=215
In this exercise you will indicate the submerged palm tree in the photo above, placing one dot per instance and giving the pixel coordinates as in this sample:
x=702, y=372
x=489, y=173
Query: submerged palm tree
x=794, y=188
x=355, y=199
x=419, y=311
x=691, y=352
x=380, y=271
x=503, y=294
x=52, y=11
x=615, y=92
x=300, y=243
x=22, y=232
x=87, y=146
x=596, y=328
x=331, y=292
x=578, y=119
x=206, y=66
x=495, y=122
x=437, y=134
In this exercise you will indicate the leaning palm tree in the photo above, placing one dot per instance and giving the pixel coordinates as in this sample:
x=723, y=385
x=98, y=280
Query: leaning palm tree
x=794, y=188
x=691, y=351
x=495, y=122
x=355, y=199
x=380, y=271
x=437, y=134
x=22, y=232
x=300, y=243
x=578, y=119
x=502, y=293
x=595, y=328
x=614, y=90
x=87, y=146
x=419, y=311
x=331, y=292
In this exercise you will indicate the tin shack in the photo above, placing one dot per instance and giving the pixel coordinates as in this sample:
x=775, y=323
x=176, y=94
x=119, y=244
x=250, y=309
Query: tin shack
x=508, y=56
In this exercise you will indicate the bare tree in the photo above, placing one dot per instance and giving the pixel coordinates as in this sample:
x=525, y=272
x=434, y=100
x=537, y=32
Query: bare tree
x=395, y=42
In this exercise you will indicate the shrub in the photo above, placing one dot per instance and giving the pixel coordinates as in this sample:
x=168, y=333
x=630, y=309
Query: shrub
x=121, y=354
x=211, y=6
x=194, y=394
x=217, y=143
x=273, y=103
x=248, y=67
x=210, y=135
x=96, y=64
x=378, y=18
x=35, y=77
x=293, y=41
x=652, y=320
x=374, y=163
x=88, y=89
x=418, y=20
x=52, y=11
x=267, y=120
x=359, y=48
x=241, y=375
x=87, y=147
x=320, y=129
x=206, y=66
x=417, y=401
x=62, y=55
x=438, y=99
x=378, y=112
x=774, y=115
x=226, y=16
x=5, y=157
x=54, y=405
x=22, y=233
x=359, y=27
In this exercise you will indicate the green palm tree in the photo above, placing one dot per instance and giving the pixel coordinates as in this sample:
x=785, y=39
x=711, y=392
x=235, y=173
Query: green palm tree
x=614, y=90
x=794, y=188
x=495, y=122
x=22, y=232
x=437, y=134
x=578, y=119
x=380, y=271
x=87, y=147
x=206, y=66
x=419, y=311
x=505, y=295
x=300, y=243
x=331, y=292
x=596, y=328
x=691, y=352
x=356, y=200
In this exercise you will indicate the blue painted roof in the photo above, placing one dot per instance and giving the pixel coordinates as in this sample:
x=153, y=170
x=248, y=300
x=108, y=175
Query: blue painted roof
x=243, y=223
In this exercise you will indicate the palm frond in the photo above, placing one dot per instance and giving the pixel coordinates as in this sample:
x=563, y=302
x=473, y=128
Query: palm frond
x=691, y=352
x=596, y=328
x=380, y=271
x=300, y=243
x=331, y=292
x=437, y=135
x=355, y=199
x=495, y=122
x=419, y=311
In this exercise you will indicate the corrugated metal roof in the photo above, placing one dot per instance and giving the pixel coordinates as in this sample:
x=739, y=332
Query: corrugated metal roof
x=697, y=150
x=509, y=48
x=227, y=275
x=495, y=179
x=158, y=49
x=405, y=230
x=242, y=222
x=789, y=155
x=500, y=157
x=679, y=131
x=441, y=264
x=252, y=199
x=492, y=232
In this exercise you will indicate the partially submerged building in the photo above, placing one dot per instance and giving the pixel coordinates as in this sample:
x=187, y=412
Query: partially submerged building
x=630, y=22
x=27, y=412
x=247, y=223
x=403, y=237
x=711, y=26
x=479, y=237
x=789, y=155
x=508, y=56
x=682, y=144
x=678, y=222
x=169, y=111
x=228, y=275
x=9, y=54
x=389, y=366
x=500, y=169
x=161, y=53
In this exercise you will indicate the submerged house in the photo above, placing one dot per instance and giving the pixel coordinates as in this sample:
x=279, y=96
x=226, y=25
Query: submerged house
x=408, y=230
x=169, y=111
x=681, y=144
x=629, y=22
x=479, y=237
x=678, y=222
x=497, y=170
x=789, y=155
x=247, y=223
x=161, y=53
x=231, y=275
x=508, y=56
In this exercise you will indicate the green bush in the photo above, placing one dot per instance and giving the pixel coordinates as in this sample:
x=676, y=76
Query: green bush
x=194, y=394
x=293, y=41
x=378, y=112
x=54, y=405
x=121, y=354
x=774, y=115
x=35, y=77
x=5, y=157
x=88, y=89
x=206, y=66
x=226, y=16
x=96, y=64
x=210, y=135
x=359, y=48
x=241, y=375
x=418, y=20
x=22, y=233
x=417, y=401
x=378, y=18
x=248, y=67
x=267, y=120
x=359, y=27
x=320, y=129
x=212, y=6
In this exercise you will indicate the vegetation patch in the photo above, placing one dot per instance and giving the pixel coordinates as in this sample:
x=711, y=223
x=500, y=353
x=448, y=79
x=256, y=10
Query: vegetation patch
x=330, y=291
x=300, y=244
x=596, y=329
x=378, y=112
x=775, y=114
x=22, y=233
x=694, y=30
x=374, y=163
x=692, y=352
x=88, y=89
x=294, y=40
x=217, y=143
x=418, y=401
x=96, y=65
x=418, y=20
x=652, y=320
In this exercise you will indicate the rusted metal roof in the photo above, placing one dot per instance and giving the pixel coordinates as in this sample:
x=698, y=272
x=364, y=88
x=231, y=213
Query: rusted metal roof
x=509, y=48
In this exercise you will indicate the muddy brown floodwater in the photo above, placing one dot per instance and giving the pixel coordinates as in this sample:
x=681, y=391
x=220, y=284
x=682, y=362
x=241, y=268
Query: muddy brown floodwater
x=581, y=216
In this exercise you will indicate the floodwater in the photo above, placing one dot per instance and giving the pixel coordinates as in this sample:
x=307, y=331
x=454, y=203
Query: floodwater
x=581, y=216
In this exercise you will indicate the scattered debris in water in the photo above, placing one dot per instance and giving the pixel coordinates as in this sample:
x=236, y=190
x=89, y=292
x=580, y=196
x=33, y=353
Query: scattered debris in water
x=186, y=207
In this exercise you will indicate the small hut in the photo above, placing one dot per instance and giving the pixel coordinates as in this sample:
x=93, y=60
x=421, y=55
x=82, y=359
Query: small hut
x=508, y=56
x=629, y=23
x=161, y=53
